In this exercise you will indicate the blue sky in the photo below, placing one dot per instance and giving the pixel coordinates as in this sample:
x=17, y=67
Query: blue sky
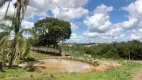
x=116, y=16
x=91, y=20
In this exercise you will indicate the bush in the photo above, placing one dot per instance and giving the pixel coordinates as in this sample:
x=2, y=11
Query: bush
x=29, y=58
x=111, y=54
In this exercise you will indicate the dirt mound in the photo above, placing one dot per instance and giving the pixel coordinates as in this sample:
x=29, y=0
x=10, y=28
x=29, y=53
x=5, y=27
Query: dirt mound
x=102, y=67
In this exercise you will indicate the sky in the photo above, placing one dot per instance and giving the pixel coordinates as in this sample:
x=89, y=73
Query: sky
x=98, y=21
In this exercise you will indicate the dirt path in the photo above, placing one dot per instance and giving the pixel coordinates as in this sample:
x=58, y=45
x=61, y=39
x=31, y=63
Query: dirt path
x=139, y=74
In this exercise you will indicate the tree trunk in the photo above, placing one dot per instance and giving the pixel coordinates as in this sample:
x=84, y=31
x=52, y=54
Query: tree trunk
x=38, y=48
x=1, y=67
x=11, y=60
x=129, y=55
x=13, y=53
x=18, y=16
x=18, y=13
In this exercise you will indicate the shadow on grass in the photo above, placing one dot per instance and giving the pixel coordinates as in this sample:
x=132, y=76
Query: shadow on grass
x=30, y=66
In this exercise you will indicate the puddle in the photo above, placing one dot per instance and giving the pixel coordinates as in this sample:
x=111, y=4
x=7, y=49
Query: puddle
x=55, y=66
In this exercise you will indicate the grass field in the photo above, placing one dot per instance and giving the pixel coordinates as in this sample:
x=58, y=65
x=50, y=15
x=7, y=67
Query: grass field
x=126, y=72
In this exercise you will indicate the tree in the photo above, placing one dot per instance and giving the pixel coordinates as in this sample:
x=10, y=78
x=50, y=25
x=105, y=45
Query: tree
x=20, y=6
x=52, y=30
x=20, y=44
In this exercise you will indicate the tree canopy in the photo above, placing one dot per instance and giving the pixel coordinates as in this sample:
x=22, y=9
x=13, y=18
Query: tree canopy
x=52, y=30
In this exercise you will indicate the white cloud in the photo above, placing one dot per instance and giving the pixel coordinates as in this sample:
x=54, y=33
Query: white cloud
x=71, y=3
x=73, y=36
x=62, y=9
x=136, y=34
x=99, y=22
x=114, y=32
x=90, y=34
x=103, y=9
x=27, y=25
x=3, y=10
x=39, y=8
x=69, y=13
x=132, y=23
x=135, y=14
x=99, y=25
x=119, y=31
x=74, y=26
x=135, y=9
x=100, y=28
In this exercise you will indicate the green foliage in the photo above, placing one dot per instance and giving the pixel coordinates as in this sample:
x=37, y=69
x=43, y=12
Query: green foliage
x=111, y=54
x=114, y=50
x=19, y=45
x=51, y=31
x=29, y=58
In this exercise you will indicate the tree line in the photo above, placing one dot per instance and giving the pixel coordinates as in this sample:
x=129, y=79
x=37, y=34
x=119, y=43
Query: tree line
x=131, y=50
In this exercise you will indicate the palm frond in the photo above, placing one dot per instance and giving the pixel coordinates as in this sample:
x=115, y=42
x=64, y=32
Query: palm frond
x=23, y=45
x=7, y=9
x=16, y=25
x=4, y=33
x=31, y=32
x=27, y=50
x=8, y=18
x=4, y=41
x=5, y=27
x=4, y=48
x=25, y=3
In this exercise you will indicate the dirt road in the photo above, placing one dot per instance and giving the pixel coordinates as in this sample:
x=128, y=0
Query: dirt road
x=139, y=75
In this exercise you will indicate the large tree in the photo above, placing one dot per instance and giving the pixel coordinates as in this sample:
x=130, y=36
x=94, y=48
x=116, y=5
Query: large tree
x=52, y=30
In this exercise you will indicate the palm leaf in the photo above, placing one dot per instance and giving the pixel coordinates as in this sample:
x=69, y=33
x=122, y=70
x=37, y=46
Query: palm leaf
x=25, y=3
x=21, y=44
x=7, y=8
x=4, y=45
x=4, y=40
x=31, y=32
x=2, y=34
x=27, y=49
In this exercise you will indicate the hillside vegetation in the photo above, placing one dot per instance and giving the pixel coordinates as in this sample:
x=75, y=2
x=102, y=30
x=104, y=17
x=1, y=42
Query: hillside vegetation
x=116, y=50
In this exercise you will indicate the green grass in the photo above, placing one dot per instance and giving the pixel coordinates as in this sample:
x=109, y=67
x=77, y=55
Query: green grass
x=37, y=55
x=125, y=72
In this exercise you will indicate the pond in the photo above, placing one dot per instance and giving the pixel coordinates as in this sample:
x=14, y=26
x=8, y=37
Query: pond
x=55, y=66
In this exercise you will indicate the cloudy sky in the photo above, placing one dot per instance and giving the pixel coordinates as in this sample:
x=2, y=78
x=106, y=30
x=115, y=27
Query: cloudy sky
x=91, y=20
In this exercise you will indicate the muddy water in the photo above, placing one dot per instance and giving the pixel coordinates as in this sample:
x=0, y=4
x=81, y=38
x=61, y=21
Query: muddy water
x=57, y=66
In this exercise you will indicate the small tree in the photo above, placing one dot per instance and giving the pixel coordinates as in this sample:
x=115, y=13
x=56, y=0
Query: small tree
x=17, y=46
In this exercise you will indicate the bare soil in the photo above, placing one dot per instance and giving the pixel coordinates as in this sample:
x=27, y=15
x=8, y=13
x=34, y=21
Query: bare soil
x=139, y=74
x=102, y=67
